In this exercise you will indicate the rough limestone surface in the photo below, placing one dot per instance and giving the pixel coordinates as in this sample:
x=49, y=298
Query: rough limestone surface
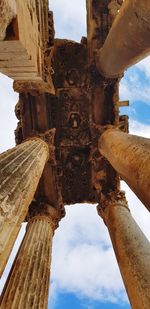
x=28, y=283
x=128, y=41
x=7, y=13
x=20, y=172
x=130, y=156
x=131, y=248
x=25, y=55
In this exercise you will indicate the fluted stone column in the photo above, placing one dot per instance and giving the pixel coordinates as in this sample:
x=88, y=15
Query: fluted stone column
x=20, y=171
x=28, y=283
x=131, y=247
x=130, y=157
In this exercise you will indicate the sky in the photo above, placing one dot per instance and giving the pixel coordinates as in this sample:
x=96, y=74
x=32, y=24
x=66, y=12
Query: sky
x=84, y=271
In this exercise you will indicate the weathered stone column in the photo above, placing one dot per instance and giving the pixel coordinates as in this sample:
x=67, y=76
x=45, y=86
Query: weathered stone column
x=131, y=247
x=130, y=157
x=128, y=40
x=28, y=283
x=20, y=171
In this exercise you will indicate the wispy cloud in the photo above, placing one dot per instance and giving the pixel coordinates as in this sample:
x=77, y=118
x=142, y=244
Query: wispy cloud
x=144, y=66
x=135, y=85
x=81, y=251
x=138, y=128
x=70, y=18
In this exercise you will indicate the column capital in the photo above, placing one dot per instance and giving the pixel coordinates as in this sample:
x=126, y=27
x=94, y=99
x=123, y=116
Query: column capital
x=43, y=211
x=48, y=140
x=97, y=130
x=112, y=199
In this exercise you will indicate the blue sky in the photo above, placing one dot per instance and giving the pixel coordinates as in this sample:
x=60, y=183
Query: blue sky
x=84, y=271
x=70, y=300
x=135, y=87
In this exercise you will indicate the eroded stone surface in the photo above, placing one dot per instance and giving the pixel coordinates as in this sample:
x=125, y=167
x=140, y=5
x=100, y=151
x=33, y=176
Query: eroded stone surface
x=131, y=248
x=25, y=55
x=20, y=172
x=129, y=155
x=128, y=41
x=28, y=284
x=7, y=13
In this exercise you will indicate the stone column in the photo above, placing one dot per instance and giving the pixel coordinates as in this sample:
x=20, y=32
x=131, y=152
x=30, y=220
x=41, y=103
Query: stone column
x=28, y=283
x=20, y=171
x=131, y=247
x=130, y=157
x=128, y=40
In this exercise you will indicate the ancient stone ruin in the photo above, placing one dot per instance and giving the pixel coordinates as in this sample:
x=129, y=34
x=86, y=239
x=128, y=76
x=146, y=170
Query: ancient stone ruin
x=71, y=144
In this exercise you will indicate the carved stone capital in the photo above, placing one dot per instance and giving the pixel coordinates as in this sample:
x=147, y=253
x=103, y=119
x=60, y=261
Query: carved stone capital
x=112, y=199
x=48, y=136
x=18, y=133
x=97, y=130
x=124, y=123
x=43, y=211
x=61, y=208
x=34, y=87
x=17, y=110
x=48, y=139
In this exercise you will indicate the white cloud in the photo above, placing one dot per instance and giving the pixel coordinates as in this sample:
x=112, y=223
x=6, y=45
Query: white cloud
x=144, y=66
x=135, y=85
x=70, y=17
x=138, y=128
x=8, y=121
x=134, y=88
x=83, y=258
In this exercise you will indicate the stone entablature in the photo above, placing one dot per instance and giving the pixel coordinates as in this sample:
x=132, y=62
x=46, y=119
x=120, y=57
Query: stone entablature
x=25, y=44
